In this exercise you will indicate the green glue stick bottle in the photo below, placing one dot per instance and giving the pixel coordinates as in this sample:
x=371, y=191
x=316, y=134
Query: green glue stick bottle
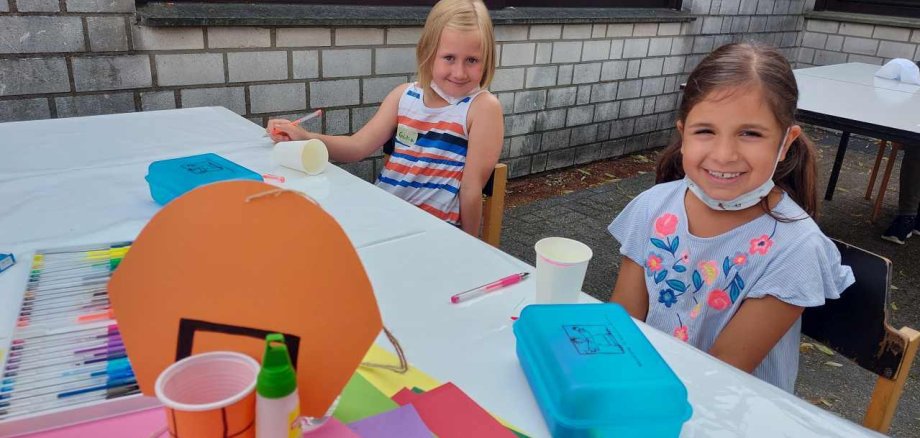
x=277, y=402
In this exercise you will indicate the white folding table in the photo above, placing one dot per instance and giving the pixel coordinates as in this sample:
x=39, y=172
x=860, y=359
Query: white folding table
x=850, y=98
x=76, y=181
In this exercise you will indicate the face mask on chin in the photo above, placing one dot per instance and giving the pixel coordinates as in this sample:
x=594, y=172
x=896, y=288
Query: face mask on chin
x=451, y=99
x=744, y=200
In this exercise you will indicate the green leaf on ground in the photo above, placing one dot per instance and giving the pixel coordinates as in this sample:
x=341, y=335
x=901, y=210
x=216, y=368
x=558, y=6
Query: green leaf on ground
x=824, y=349
x=894, y=306
x=820, y=401
x=833, y=364
x=584, y=171
x=805, y=346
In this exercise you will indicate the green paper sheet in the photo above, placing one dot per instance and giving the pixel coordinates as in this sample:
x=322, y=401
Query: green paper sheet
x=360, y=400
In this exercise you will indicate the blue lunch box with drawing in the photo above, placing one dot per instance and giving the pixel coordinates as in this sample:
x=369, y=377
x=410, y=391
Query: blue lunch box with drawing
x=594, y=374
x=169, y=179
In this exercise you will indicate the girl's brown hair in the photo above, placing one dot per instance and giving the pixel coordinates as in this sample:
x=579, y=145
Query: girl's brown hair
x=743, y=65
x=463, y=15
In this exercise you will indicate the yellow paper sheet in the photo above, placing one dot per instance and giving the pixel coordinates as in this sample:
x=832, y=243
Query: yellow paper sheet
x=389, y=382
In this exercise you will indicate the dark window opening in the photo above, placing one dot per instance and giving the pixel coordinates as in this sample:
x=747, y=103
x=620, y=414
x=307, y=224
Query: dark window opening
x=895, y=8
x=492, y=4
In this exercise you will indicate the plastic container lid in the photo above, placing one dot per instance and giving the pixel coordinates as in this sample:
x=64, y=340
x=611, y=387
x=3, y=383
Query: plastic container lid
x=590, y=367
x=171, y=178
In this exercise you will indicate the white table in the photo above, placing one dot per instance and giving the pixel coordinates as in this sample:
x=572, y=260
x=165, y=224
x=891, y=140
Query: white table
x=470, y=344
x=849, y=98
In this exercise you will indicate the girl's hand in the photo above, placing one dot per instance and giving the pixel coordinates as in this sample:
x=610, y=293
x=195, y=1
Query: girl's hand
x=283, y=130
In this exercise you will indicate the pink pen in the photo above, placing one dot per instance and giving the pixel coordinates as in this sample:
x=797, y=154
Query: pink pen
x=486, y=288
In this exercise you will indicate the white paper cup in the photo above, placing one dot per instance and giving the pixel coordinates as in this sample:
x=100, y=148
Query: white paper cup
x=310, y=156
x=561, y=267
x=210, y=393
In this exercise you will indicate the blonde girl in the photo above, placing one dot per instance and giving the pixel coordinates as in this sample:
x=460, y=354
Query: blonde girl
x=446, y=127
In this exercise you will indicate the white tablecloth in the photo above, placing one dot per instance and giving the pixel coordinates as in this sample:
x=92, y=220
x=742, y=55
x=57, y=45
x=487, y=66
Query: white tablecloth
x=73, y=181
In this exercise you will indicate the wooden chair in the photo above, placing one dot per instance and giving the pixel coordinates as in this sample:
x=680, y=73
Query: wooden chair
x=880, y=198
x=493, y=193
x=856, y=326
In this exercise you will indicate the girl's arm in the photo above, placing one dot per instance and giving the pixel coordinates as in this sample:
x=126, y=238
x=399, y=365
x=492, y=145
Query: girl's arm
x=486, y=133
x=759, y=324
x=348, y=148
x=629, y=290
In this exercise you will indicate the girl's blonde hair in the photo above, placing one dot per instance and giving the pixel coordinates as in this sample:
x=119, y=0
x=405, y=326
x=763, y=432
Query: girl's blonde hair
x=462, y=15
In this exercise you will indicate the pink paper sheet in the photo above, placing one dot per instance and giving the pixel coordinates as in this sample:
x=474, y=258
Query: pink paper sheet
x=332, y=429
x=136, y=424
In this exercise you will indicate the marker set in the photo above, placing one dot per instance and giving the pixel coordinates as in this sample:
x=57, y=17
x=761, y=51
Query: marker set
x=66, y=348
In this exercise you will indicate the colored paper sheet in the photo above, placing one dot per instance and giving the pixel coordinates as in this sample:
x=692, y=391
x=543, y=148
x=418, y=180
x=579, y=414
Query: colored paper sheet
x=450, y=413
x=403, y=422
x=360, y=400
x=142, y=423
x=332, y=429
x=389, y=382
x=225, y=264
x=406, y=396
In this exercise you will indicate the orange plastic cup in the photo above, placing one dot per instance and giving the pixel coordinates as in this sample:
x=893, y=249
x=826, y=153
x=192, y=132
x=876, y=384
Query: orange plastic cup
x=210, y=395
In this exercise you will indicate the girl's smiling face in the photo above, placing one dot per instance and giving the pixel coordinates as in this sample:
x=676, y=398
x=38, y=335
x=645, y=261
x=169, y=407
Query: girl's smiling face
x=457, y=67
x=730, y=141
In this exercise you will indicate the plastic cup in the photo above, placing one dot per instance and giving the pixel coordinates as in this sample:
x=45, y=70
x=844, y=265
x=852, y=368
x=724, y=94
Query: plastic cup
x=309, y=156
x=561, y=267
x=210, y=395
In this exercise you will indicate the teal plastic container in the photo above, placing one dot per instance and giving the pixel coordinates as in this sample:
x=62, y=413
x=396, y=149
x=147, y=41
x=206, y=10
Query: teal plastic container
x=171, y=178
x=594, y=374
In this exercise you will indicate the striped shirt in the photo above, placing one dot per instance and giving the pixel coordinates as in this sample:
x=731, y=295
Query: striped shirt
x=430, y=150
x=696, y=285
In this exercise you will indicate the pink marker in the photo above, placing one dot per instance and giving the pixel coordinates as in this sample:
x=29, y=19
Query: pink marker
x=278, y=178
x=297, y=122
x=312, y=115
x=486, y=288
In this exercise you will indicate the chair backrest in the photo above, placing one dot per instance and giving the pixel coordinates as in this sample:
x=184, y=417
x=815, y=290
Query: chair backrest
x=855, y=325
x=487, y=189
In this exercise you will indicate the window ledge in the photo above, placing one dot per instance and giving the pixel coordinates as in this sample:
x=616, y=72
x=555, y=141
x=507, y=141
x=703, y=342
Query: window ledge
x=165, y=14
x=909, y=22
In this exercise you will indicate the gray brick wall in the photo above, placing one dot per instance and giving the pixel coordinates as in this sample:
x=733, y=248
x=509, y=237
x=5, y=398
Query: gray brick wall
x=827, y=42
x=257, y=66
x=571, y=93
x=97, y=73
x=107, y=34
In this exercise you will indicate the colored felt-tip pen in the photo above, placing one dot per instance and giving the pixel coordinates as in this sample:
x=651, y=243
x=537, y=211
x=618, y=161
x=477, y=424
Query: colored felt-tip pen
x=486, y=288
x=312, y=115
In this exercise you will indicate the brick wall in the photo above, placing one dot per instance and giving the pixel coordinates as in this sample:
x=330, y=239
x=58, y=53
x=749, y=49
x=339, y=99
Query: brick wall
x=571, y=93
x=827, y=42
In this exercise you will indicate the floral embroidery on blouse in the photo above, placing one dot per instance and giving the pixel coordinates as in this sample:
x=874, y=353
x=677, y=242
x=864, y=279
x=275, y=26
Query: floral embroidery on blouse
x=669, y=271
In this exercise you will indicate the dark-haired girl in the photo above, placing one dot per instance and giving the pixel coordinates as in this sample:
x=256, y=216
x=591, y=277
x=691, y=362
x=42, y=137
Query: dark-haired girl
x=723, y=252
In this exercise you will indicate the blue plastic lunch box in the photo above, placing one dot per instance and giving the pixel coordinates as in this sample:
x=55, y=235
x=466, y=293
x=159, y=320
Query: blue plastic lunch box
x=594, y=374
x=171, y=178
